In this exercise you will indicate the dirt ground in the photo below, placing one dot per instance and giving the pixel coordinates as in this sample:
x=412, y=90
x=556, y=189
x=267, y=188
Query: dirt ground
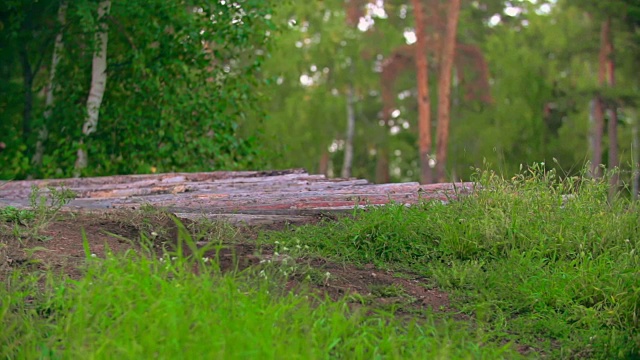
x=59, y=247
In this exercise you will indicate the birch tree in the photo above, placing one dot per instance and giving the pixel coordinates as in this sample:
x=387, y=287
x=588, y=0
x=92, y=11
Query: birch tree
x=351, y=126
x=43, y=132
x=353, y=13
x=98, y=83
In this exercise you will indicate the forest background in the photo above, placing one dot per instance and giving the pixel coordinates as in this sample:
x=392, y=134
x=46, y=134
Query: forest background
x=387, y=90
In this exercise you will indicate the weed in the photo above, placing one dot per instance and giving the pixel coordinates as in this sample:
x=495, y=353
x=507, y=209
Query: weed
x=46, y=207
x=388, y=291
x=43, y=209
x=15, y=215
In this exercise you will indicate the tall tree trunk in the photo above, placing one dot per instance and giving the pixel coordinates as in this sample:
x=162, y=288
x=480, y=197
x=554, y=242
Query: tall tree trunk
x=98, y=83
x=323, y=166
x=597, y=116
x=598, y=105
x=43, y=132
x=444, y=88
x=351, y=125
x=612, y=106
x=424, y=101
x=27, y=75
x=635, y=155
x=613, y=148
x=382, y=165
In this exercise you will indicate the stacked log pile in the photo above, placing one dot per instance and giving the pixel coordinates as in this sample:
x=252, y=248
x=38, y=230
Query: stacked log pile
x=252, y=197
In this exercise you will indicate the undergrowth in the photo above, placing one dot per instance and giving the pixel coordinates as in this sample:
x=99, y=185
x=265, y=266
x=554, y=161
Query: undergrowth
x=543, y=261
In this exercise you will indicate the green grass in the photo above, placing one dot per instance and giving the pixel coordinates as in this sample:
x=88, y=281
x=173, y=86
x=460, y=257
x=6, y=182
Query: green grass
x=138, y=307
x=560, y=275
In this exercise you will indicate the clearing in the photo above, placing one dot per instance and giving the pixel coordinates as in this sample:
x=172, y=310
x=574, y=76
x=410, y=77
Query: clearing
x=514, y=270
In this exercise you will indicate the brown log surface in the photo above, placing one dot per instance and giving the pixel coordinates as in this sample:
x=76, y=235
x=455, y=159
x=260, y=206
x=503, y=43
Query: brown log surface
x=251, y=197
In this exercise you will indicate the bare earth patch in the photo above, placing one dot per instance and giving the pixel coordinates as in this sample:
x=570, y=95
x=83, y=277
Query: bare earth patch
x=59, y=247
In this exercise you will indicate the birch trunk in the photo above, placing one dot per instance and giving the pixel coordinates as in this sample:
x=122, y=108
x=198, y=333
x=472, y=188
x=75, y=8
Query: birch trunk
x=98, y=83
x=424, y=101
x=444, y=88
x=351, y=125
x=43, y=133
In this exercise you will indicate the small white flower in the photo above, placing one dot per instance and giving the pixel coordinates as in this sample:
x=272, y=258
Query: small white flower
x=154, y=234
x=93, y=255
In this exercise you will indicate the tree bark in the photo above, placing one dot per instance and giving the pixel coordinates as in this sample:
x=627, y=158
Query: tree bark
x=27, y=74
x=424, y=101
x=444, y=89
x=598, y=105
x=635, y=155
x=612, y=107
x=597, y=116
x=323, y=166
x=98, y=83
x=382, y=165
x=43, y=132
x=351, y=124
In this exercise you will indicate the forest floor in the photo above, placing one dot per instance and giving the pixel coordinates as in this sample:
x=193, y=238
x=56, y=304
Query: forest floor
x=514, y=271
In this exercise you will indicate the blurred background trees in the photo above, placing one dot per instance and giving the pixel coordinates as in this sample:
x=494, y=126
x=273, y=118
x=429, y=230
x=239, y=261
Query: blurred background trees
x=180, y=76
x=331, y=86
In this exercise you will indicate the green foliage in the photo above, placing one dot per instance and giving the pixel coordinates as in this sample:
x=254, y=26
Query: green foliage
x=12, y=214
x=181, y=78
